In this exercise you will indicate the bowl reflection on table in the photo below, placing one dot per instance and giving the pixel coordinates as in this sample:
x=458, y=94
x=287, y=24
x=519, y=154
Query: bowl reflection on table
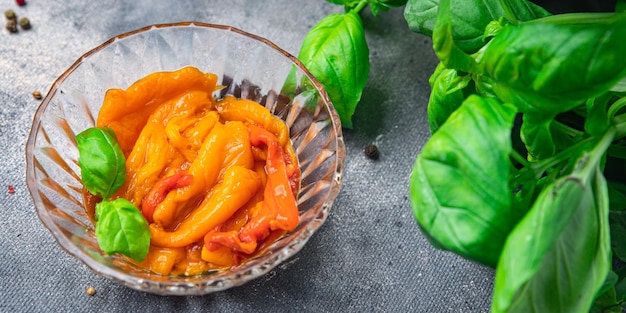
x=248, y=67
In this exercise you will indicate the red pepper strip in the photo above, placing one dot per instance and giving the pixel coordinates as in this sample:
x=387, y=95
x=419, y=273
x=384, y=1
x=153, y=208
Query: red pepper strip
x=160, y=190
x=280, y=209
x=230, y=239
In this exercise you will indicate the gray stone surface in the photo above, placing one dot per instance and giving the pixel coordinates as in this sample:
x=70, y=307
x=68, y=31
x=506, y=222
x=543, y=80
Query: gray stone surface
x=368, y=257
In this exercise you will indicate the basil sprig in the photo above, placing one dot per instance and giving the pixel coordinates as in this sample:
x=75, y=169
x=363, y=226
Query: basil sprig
x=525, y=167
x=120, y=227
x=101, y=161
x=336, y=53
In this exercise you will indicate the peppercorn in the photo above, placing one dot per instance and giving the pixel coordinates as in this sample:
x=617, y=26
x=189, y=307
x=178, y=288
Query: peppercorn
x=10, y=14
x=11, y=189
x=90, y=291
x=37, y=94
x=371, y=152
x=11, y=26
x=24, y=23
x=20, y=2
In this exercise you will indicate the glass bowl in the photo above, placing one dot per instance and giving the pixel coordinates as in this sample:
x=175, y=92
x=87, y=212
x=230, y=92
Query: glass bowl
x=249, y=67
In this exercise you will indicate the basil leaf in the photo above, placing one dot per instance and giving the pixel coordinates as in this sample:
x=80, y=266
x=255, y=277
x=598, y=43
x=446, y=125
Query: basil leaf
x=620, y=86
x=459, y=185
x=606, y=301
x=555, y=63
x=101, y=161
x=597, y=121
x=617, y=220
x=447, y=94
x=620, y=286
x=617, y=195
x=335, y=52
x=445, y=46
x=469, y=18
x=536, y=135
x=520, y=11
x=121, y=228
x=561, y=248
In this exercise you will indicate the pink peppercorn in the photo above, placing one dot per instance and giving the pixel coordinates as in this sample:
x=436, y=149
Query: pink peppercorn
x=20, y=2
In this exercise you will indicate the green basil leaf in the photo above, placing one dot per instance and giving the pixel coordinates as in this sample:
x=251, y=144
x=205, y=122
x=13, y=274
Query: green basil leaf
x=121, y=228
x=620, y=286
x=606, y=301
x=554, y=64
x=444, y=44
x=597, y=121
x=617, y=195
x=336, y=53
x=558, y=256
x=459, y=185
x=101, y=161
x=620, y=86
x=447, y=94
x=617, y=220
x=520, y=11
x=469, y=18
x=536, y=135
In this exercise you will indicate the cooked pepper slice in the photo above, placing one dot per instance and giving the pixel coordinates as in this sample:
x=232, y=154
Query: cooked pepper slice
x=239, y=185
x=160, y=190
x=127, y=111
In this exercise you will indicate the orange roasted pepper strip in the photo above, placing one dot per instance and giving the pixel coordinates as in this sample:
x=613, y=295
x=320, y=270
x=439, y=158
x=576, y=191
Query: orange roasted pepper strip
x=154, y=154
x=162, y=260
x=279, y=194
x=127, y=111
x=225, y=146
x=222, y=256
x=160, y=190
x=239, y=185
x=278, y=211
x=250, y=112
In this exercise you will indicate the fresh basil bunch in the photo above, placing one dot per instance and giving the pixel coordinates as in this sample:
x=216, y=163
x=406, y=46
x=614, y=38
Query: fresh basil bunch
x=525, y=170
x=120, y=227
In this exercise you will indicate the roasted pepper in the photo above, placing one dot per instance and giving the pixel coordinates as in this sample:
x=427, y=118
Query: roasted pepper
x=127, y=111
x=278, y=211
x=160, y=190
x=239, y=185
x=248, y=111
x=225, y=146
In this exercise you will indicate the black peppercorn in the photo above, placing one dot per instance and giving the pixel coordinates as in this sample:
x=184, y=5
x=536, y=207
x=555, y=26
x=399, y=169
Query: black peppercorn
x=11, y=26
x=371, y=152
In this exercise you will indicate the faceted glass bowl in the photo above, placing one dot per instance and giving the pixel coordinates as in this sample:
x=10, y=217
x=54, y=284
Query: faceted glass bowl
x=248, y=67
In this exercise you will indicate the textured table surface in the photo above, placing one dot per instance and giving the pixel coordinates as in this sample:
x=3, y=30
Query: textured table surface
x=369, y=255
